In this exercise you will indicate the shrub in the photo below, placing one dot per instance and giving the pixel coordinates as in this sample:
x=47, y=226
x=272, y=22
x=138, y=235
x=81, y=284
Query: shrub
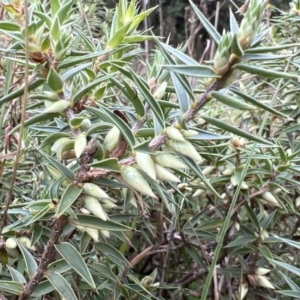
x=118, y=186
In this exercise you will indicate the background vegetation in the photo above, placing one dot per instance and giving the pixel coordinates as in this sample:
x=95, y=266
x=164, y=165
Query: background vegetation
x=171, y=180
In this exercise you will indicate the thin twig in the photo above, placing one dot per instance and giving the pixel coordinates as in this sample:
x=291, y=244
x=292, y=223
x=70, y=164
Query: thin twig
x=46, y=258
x=23, y=117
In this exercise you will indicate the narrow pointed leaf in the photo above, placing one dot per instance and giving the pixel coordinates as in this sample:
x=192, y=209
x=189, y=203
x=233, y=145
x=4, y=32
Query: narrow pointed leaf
x=57, y=165
x=95, y=222
x=234, y=27
x=257, y=103
x=113, y=254
x=183, y=80
x=206, y=24
x=230, y=101
x=122, y=126
x=180, y=55
x=110, y=164
x=156, y=109
x=62, y=286
x=182, y=95
x=89, y=87
x=11, y=287
x=194, y=71
x=73, y=257
x=36, y=119
x=16, y=275
x=270, y=73
x=286, y=266
x=193, y=166
x=31, y=265
x=20, y=92
x=235, y=130
x=70, y=195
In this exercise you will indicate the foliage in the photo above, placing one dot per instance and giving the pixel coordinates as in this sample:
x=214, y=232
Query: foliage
x=116, y=186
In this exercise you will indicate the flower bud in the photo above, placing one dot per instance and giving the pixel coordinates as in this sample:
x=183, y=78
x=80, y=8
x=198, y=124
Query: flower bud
x=164, y=175
x=208, y=170
x=199, y=192
x=187, y=149
x=93, y=233
x=135, y=180
x=93, y=206
x=174, y=134
x=228, y=171
x=25, y=241
x=146, y=163
x=58, y=144
x=85, y=124
x=243, y=290
x=11, y=243
x=80, y=144
x=112, y=139
x=94, y=190
x=223, y=54
x=108, y=204
x=105, y=233
x=262, y=271
x=270, y=198
x=169, y=161
x=57, y=107
x=160, y=92
x=189, y=133
x=251, y=22
x=263, y=281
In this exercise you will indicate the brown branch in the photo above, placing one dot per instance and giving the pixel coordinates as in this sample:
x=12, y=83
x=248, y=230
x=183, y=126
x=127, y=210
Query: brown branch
x=46, y=258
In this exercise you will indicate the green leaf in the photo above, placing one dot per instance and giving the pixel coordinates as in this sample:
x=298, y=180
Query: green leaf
x=105, y=272
x=73, y=257
x=20, y=92
x=194, y=71
x=235, y=130
x=38, y=216
x=36, y=119
x=72, y=72
x=286, y=266
x=61, y=265
x=182, y=95
x=122, y=126
x=136, y=20
x=113, y=255
x=179, y=54
x=156, y=109
x=16, y=275
x=89, y=87
x=43, y=288
x=57, y=165
x=143, y=147
x=54, y=81
x=270, y=49
x=118, y=37
x=230, y=101
x=110, y=164
x=62, y=286
x=206, y=24
x=234, y=26
x=12, y=287
x=31, y=265
x=95, y=222
x=252, y=217
x=193, y=166
x=52, y=138
x=270, y=73
x=294, y=294
x=287, y=241
x=67, y=63
x=70, y=195
x=9, y=26
x=257, y=103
